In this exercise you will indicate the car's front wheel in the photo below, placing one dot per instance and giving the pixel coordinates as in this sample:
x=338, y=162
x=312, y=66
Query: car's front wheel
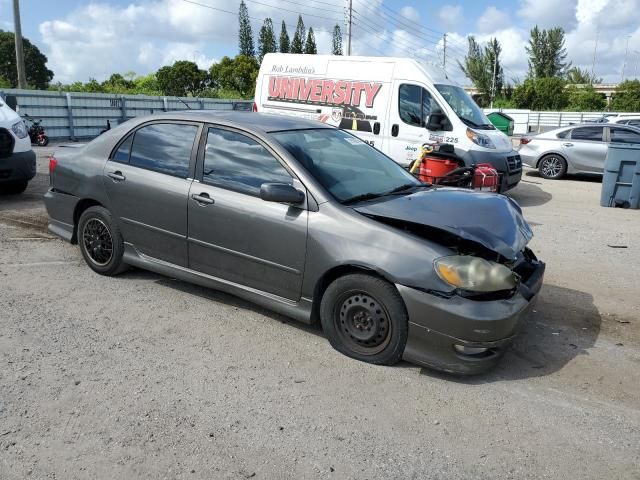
x=100, y=241
x=552, y=167
x=365, y=318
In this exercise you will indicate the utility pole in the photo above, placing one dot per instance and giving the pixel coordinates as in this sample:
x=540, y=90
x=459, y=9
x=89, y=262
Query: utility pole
x=595, y=52
x=444, y=52
x=22, y=80
x=493, y=80
x=624, y=65
x=349, y=22
x=635, y=72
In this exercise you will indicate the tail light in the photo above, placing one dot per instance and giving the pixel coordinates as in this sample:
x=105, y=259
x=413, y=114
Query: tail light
x=255, y=107
x=525, y=140
x=53, y=163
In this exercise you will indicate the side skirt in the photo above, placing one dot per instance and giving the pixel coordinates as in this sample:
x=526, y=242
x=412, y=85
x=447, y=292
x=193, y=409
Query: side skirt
x=300, y=311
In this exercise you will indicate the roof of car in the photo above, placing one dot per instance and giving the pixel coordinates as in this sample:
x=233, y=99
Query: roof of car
x=262, y=122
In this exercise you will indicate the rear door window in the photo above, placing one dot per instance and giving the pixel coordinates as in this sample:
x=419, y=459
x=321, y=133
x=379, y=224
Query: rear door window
x=237, y=162
x=164, y=148
x=564, y=134
x=623, y=135
x=121, y=155
x=593, y=134
x=634, y=123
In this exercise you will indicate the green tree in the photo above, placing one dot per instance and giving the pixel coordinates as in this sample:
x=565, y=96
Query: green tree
x=578, y=76
x=547, y=54
x=35, y=62
x=237, y=74
x=541, y=94
x=117, y=84
x=585, y=99
x=245, y=35
x=478, y=66
x=4, y=83
x=310, y=45
x=627, y=97
x=297, y=45
x=181, y=79
x=336, y=44
x=147, y=85
x=285, y=43
x=266, y=40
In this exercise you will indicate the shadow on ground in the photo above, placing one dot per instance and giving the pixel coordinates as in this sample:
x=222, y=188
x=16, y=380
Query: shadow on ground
x=580, y=177
x=564, y=324
x=529, y=194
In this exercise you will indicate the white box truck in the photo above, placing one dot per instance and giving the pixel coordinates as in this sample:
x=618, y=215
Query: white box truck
x=394, y=104
x=17, y=159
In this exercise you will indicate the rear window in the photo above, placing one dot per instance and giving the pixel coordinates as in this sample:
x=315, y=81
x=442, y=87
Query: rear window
x=624, y=135
x=587, y=133
x=164, y=148
x=564, y=134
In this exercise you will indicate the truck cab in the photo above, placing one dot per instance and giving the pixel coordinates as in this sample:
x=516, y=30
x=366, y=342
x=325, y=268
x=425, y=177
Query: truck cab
x=17, y=159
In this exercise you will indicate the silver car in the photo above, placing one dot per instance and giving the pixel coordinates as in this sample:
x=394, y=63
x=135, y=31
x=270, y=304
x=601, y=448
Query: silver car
x=307, y=220
x=574, y=149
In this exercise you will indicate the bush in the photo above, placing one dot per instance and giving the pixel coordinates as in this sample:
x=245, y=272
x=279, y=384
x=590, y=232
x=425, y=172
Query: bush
x=585, y=99
x=541, y=94
x=627, y=97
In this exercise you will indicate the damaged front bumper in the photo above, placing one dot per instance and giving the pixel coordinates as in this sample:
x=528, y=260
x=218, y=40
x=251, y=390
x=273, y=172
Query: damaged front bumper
x=464, y=336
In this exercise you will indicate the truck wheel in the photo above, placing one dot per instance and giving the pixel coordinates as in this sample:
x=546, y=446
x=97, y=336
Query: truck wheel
x=365, y=318
x=101, y=242
x=552, y=167
x=14, y=188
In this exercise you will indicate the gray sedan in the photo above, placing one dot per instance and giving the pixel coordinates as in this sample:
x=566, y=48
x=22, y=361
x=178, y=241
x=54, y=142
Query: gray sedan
x=574, y=149
x=306, y=220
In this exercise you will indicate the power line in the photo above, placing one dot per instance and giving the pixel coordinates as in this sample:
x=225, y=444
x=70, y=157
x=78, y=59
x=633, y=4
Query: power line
x=375, y=26
x=294, y=11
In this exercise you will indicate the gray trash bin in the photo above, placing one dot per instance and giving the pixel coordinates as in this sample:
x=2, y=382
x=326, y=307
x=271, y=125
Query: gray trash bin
x=621, y=180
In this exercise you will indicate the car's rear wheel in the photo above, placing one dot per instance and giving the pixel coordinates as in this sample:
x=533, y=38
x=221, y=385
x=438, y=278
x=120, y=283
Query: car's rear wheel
x=14, y=187
x=553, y=167
x=100, y=241
x=365, y=318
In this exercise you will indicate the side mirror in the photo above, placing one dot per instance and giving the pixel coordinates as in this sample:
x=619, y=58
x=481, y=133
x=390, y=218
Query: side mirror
x=438, y=121
x=280, y=192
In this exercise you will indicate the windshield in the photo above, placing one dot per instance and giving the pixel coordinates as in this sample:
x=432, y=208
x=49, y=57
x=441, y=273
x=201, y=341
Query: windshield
x=464, y=106
x=347, y=167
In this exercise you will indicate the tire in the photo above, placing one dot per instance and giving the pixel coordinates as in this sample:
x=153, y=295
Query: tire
x=365, y=318
x=552, y=167
x=100, y=241
x=15, y=187
x=43, y=141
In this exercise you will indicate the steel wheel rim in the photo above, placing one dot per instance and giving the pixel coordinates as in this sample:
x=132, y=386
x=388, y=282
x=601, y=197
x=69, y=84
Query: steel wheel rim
x=362, y=322
x=552, y=166
x=97, y=242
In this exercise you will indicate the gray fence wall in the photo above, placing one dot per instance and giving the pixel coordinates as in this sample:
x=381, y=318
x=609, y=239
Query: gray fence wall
x=84, y=115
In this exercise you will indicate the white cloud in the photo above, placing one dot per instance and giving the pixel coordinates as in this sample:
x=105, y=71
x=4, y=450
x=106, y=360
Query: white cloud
x=410, y=13
x=449, y=16
x=549, y=13
x=493, y=19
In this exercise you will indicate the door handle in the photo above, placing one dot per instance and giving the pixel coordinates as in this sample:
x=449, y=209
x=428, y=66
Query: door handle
x=203, y=199
x=395, y=129
x=568, y=144
x=376, y=128
x=116, y=176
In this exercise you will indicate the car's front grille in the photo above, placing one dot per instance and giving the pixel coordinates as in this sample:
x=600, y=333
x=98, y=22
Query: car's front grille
x=6, y=143
x=515, y=163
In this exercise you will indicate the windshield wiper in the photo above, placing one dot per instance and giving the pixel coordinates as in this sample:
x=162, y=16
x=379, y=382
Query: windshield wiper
x=395, y=191
x=405, y=187
x=470, y=123
x=362, y=198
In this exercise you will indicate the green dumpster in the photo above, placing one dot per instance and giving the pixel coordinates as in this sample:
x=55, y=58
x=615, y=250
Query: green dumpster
x=502, y=122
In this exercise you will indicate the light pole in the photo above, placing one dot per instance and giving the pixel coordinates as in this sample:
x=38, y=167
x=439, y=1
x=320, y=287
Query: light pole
x=22, y=80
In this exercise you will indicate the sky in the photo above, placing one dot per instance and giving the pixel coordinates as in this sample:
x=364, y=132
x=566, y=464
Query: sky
x=92, y=39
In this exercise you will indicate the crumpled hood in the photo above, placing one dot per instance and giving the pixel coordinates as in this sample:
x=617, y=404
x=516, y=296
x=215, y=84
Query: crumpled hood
x=492, y=220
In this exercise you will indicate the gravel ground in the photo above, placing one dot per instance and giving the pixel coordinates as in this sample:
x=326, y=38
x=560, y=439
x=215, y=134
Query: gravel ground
x=143, y=376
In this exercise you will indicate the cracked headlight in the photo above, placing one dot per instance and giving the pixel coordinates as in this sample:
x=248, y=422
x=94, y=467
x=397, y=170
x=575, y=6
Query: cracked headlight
x=20, y=129
x=475, y=274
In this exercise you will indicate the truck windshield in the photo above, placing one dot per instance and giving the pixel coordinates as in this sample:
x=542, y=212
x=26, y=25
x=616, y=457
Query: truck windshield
x=466, y=109
x=350, y=169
